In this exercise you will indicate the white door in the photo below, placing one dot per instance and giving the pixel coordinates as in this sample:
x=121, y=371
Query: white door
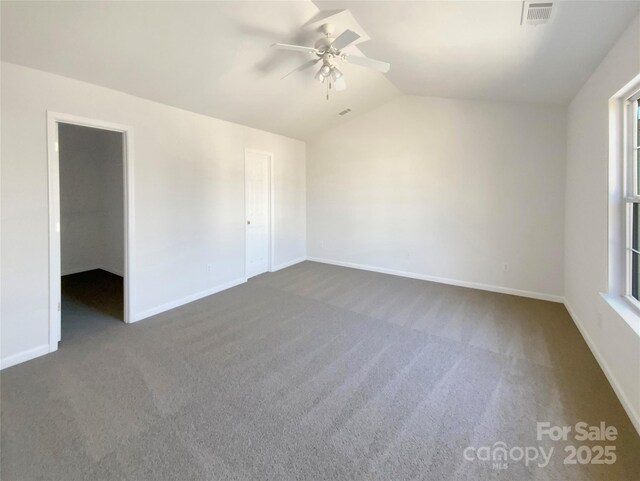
x=257, y=212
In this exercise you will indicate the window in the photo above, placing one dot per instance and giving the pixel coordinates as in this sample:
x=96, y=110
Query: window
x=632, y=198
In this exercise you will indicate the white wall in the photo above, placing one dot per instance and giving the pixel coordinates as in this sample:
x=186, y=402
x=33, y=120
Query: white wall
x=444, y=188
x=615, y=343
x=113, y=184
x=91, y=199
x=189, y=191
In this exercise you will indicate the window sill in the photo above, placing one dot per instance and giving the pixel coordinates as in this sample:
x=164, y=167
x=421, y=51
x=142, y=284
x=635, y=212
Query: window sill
x=625, y=309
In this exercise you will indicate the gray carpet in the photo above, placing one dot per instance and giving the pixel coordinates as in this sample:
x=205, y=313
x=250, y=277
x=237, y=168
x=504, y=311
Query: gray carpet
x=315, y=372
x=90, y=300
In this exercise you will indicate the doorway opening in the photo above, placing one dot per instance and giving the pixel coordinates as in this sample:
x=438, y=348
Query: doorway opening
x=258, y=212
x=90, y=233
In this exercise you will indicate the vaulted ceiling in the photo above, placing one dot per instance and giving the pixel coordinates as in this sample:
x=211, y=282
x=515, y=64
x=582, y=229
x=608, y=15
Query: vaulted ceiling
x=214, y=57
x=479, y=49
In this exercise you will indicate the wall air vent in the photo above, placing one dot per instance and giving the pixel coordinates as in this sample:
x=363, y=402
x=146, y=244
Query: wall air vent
x=344, y=112
x=535, y=13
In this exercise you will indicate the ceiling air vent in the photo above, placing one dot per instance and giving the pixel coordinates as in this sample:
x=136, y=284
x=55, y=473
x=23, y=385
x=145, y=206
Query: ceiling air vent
x=535, y=13
x=344, y=112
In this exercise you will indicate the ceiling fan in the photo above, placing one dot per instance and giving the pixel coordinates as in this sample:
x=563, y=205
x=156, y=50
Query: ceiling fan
x=328, y=50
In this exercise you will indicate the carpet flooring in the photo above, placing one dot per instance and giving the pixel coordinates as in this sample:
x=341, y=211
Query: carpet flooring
x=89, y=301
x=315, y=372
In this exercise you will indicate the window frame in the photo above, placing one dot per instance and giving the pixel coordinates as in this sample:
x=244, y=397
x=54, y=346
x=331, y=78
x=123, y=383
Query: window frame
x=631, y=195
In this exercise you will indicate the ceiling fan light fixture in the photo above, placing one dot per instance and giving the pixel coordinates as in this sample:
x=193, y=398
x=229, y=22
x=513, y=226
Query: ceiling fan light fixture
x=325, y=70
x=335, y=73
x=319, y=77
x=340, y=84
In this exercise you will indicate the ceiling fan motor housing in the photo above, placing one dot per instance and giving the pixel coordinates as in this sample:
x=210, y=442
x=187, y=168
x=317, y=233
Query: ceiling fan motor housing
x=324, y=43
x=327, y=29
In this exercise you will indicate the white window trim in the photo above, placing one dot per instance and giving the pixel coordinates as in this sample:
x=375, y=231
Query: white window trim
x=620, y=194
x=631, y=193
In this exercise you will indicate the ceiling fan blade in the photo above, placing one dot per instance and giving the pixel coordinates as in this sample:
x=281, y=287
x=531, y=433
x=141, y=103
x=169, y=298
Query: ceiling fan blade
x=369, y=63
x=297, y=48
x=304, y=66
x=340, y=84
x=344, y=39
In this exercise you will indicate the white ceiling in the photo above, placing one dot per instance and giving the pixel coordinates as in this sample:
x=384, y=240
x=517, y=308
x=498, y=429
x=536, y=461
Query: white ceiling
x=479, y=50
x=214, y=57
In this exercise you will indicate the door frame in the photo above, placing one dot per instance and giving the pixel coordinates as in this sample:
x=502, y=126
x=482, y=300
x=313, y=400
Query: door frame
x=53, y=161
x=270, y=209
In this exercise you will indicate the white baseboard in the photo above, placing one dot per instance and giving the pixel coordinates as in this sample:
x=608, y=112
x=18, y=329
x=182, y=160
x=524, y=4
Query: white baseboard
x=626, y=404
x=78, y=270
x=186, y=300
x=46, y=349
x=444, y=280
x=288, y=264
x=24, y=356
x=115, y=272
x=91, y=268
